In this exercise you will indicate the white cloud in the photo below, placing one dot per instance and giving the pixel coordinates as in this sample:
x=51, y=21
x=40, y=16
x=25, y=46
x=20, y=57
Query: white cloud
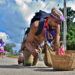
x=46, y=6
x=28, y=12
x=3, y=36
x=8, y=40
x=71, y=4
x=74, y=20
x=18, y=46
x=52, y=4
x=25, y=9
x=42, y=4
x=2, y=1
x=28, y=1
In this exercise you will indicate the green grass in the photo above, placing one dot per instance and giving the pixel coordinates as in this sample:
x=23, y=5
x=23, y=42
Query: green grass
x=13, y=56
x=43, y=55
x=16, y=56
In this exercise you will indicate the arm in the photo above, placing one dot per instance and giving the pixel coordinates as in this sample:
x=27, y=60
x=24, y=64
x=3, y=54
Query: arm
x=31, y=36
x=57, y=39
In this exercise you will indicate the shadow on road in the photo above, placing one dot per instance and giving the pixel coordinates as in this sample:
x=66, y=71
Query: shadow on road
x=40, y=69
x=11, y=66
x=19, y=66
x=47, y=69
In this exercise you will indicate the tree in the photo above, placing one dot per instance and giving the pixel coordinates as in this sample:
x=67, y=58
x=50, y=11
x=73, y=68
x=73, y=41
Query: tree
x=70, y=28
x=8, y=47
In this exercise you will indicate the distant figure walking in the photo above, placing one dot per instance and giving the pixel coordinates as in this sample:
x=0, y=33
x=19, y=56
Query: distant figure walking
x=1, y=48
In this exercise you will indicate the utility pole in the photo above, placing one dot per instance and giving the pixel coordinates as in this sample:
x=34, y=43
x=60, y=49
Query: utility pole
x=65, y=26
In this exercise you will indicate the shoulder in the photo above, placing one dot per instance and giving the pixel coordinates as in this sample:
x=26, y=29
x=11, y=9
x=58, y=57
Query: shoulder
x=34, y=27
x=35, y=24
x=33, y=30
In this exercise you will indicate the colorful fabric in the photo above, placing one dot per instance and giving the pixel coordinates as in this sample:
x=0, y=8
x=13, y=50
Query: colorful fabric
x=2, y=51
x=61, y=51
x=45, y=23
x=1, y=48
x=49, y=35
x=28, y=58
x=56, y=13
x=1, y=44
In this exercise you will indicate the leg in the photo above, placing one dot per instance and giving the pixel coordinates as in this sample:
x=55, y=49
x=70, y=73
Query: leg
x=2, y=54
x=28, y=58
x=35, y=60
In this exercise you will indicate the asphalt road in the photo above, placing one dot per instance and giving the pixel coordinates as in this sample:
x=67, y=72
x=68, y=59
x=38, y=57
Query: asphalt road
x=9, y=66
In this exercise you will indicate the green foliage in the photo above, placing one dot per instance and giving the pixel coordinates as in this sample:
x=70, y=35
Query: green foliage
x=13, y=56
x=70, y=29
x=8, y=48
x=71, y=44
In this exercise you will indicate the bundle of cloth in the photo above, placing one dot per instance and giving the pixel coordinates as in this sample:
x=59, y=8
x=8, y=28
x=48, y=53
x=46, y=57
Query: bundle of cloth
x=1, y=47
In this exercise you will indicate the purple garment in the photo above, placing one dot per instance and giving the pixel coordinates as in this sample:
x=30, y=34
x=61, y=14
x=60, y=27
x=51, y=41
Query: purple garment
x=50, y=35
x=1, y=44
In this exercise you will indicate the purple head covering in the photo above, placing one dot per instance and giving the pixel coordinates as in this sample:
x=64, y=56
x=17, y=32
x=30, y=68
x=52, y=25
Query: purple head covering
x=56, y=13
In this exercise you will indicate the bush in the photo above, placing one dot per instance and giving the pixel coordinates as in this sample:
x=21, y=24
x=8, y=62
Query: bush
x=71, y=44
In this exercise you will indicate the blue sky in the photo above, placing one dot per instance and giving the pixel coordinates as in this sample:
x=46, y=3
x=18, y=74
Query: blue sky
x=15, y=15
